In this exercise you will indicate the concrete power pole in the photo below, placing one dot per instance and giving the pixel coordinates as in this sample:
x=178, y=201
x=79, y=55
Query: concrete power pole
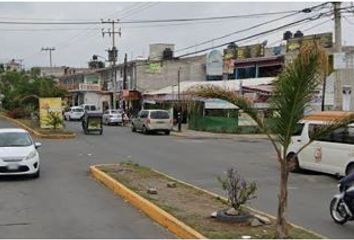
x=112, y=54
x=338, y=100
x=50, y=54
x=125, y=77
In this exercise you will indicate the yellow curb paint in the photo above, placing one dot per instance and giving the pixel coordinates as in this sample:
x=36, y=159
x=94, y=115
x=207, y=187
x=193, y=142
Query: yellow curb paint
x=37, y=134
x=174, y=225
x=225, y=199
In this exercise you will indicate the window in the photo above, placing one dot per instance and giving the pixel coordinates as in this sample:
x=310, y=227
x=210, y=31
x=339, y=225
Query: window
x=15, y=139
x=159, y=115
x=143, y=114
x=298, y=129
x=340, y=135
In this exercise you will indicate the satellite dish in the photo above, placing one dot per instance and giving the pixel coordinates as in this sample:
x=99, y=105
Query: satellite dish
x=264, y=43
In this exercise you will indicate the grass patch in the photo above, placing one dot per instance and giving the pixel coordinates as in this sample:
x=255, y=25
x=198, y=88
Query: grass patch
x=190, y=205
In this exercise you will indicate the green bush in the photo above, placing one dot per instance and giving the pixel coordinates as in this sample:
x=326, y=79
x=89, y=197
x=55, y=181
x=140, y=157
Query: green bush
x=54, y=119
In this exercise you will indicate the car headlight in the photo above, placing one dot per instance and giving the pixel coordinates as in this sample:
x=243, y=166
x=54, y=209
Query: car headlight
x=31, y=155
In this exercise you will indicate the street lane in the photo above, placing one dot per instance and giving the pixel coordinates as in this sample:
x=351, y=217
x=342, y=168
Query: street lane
x=69, y=189
x=200, y=161
x=65, y=202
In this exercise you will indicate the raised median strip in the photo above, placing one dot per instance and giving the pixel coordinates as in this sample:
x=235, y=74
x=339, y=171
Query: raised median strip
x=183, y=210
x=162, y=217
x=251, y=209
x=36, y=133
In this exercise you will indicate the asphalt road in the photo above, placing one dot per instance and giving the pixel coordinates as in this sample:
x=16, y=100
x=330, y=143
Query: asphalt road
x=67, y=203
x=200, y=161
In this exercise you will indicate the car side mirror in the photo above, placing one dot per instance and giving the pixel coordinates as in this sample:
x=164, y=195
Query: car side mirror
x=37, y=145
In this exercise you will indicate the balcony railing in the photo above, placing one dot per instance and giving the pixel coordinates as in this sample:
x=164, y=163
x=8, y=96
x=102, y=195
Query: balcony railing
x=82, y=87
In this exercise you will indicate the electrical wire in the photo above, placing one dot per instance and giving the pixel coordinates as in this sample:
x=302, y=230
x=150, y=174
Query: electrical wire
x=256, y=35
x=148, y=20
x=252, y=27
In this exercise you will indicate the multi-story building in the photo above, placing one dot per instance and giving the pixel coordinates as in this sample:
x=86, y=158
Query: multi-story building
x=86, y=88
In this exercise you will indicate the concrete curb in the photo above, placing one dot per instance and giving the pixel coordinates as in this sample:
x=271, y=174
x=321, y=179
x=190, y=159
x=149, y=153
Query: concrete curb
x=225, y=199
x=225, y=136
x=160, y=216
x=38, y=134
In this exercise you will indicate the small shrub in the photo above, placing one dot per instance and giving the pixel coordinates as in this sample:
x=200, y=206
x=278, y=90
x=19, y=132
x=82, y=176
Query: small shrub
x=54, y=119
x=238, y=190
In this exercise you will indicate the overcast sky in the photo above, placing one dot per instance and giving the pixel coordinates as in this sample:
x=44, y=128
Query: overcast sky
x=75, y=44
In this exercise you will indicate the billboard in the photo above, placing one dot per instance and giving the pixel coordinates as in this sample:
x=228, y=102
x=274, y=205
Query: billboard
x=47, y=106
x=325, y=40
x=250, y=51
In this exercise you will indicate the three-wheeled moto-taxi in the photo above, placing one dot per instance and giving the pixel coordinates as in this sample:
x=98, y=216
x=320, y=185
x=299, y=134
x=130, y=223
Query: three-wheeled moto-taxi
x=92, y=122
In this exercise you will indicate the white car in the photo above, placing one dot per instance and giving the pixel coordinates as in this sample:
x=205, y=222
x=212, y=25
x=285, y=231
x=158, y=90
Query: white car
x=74, y=113
x=18, y=153
x=152, y=121
x=112, y=116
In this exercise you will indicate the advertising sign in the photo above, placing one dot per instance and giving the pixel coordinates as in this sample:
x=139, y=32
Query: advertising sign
x=215, y=64
x=251, y=51
x=325, y=40
x=48, y=106
x=153, y=68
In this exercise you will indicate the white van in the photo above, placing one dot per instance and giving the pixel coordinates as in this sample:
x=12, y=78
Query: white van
x=333, y=154
x=89, y=107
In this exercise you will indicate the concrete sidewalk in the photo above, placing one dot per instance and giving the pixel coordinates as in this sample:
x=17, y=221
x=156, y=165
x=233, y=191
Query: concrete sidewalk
x=186, y=133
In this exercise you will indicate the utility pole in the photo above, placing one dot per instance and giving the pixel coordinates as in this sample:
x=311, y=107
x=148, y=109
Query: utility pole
x=112, y=54
x=338, y=99
x=50, y=54
x=125, y=76
x=179, y=120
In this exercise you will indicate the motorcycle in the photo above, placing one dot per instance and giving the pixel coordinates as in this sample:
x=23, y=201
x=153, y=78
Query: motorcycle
x=342, y=205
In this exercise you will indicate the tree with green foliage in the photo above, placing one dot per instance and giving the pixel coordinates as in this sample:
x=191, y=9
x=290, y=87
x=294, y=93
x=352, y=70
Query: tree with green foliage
x=293, y=91
x=16, y=86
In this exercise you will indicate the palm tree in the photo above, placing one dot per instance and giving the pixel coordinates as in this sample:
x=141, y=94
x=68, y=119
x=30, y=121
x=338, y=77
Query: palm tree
x=293, y=91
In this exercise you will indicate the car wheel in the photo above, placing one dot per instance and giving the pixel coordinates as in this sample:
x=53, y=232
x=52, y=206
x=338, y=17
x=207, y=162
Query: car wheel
x=167, y=132
x=69, y=118
x=133, y=128
x=293, y=162
x=145, y=131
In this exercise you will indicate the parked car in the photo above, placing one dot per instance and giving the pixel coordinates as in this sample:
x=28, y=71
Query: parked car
x=89, y=107
x=152, y=121
x=74, y=113
x=331, y=154
x=112, y=116
x=18, y=153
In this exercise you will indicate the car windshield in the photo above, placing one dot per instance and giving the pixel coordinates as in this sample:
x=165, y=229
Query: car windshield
x=114, y=112
x=15, y=139
x=78, y=110
x=159, y=115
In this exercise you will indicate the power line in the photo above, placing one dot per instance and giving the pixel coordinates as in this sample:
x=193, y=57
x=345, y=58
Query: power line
x=257, y=34
x=306, y=10
x=317, y=25
x=147, y=20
